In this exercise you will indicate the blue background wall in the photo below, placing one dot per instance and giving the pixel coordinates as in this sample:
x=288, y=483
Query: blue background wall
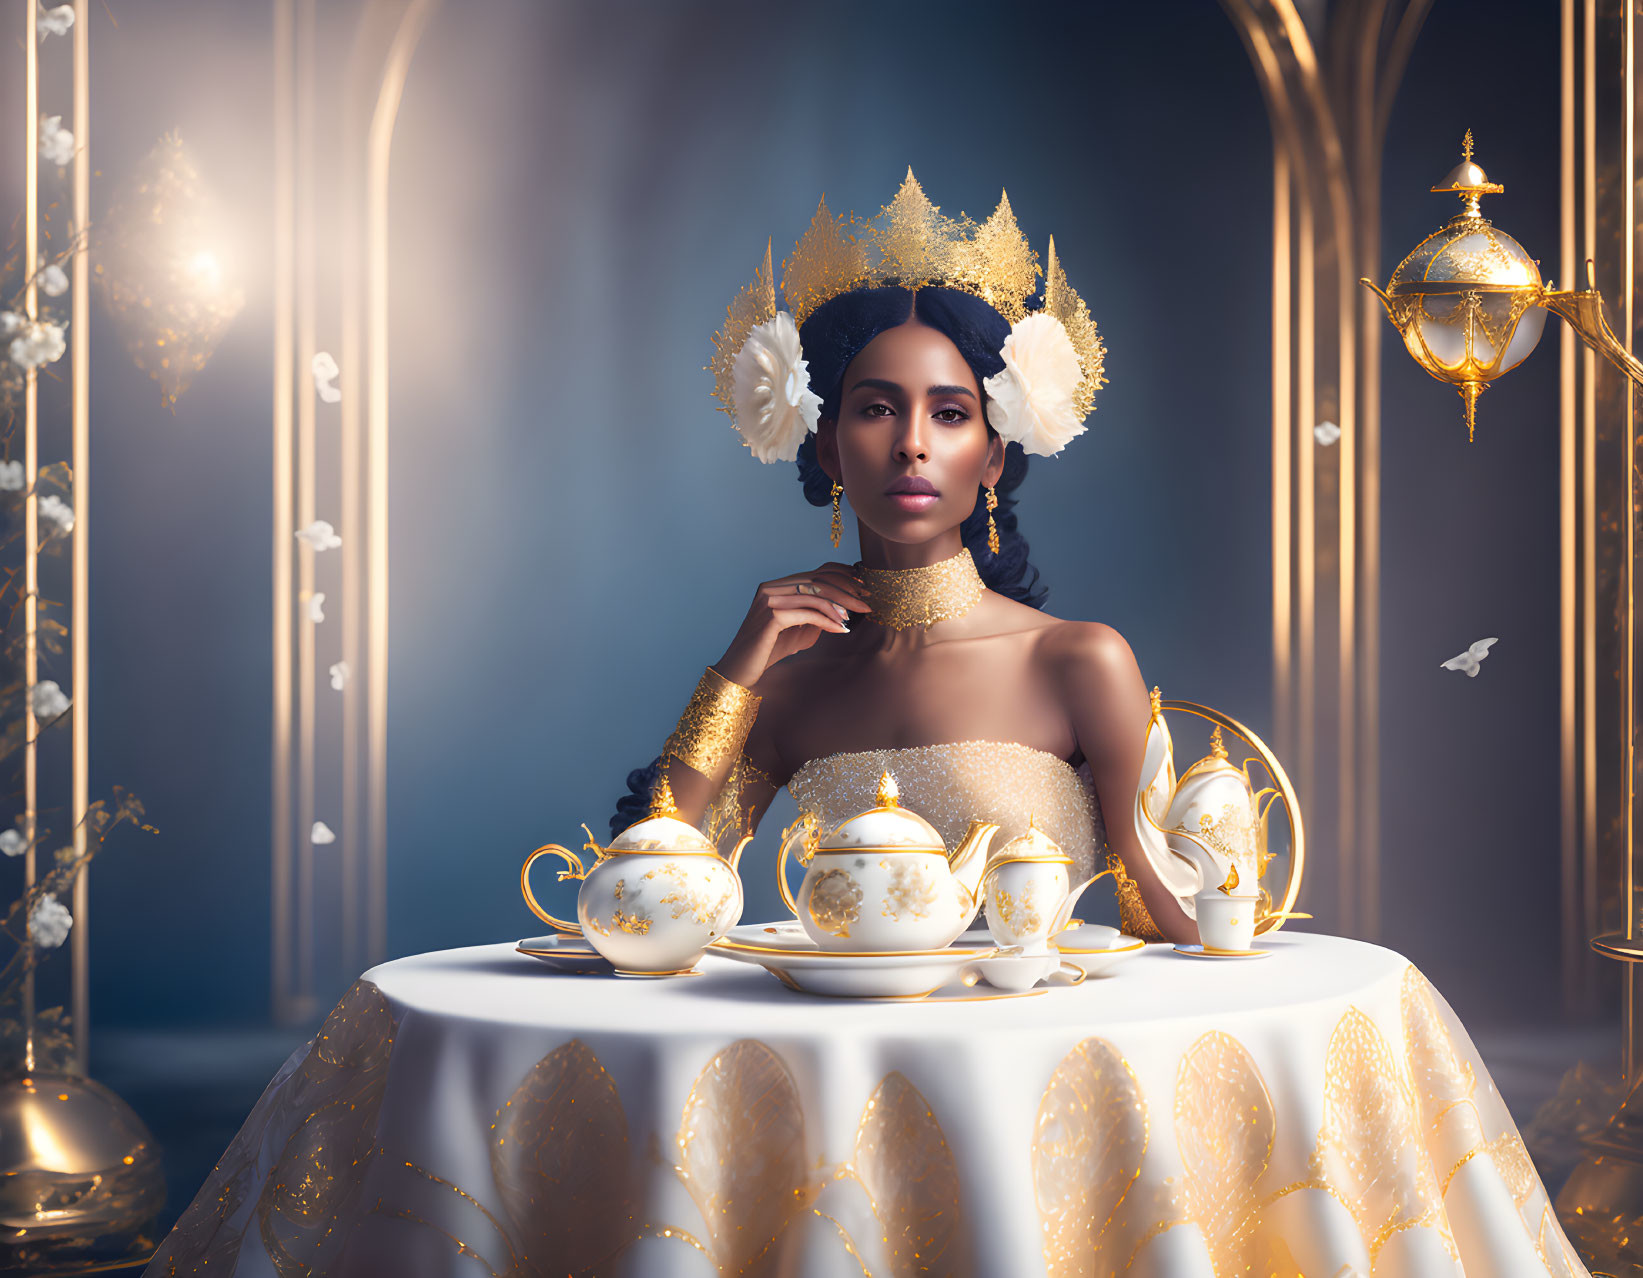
x=578, y=190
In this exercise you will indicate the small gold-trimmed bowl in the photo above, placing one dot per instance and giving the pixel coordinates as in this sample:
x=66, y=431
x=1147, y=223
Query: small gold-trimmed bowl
x=1095, y=948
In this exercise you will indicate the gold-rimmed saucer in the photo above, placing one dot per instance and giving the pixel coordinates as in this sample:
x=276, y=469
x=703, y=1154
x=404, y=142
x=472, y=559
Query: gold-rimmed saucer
x=788, y=954
x=1204, y=952
x=561, y=952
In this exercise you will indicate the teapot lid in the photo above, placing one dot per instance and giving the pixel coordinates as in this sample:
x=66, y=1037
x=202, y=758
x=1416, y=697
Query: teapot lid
x=888, y=825
x=1034, y=845
x=663, y=830
x=1213, y=764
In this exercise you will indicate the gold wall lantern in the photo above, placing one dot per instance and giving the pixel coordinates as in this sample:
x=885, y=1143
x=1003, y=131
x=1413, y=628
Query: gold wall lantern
x=1470, y=305
x=1469, y=302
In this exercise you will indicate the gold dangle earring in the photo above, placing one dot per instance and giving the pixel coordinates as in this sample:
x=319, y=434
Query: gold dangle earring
x=838, y=521
x=992, y=528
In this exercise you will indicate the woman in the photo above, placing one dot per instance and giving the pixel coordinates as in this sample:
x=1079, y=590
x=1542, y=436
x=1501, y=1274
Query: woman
x=910, y=378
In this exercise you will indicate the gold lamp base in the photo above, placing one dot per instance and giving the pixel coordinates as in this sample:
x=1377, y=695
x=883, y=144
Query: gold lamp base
x=80, y=1176
x=1601, y=1204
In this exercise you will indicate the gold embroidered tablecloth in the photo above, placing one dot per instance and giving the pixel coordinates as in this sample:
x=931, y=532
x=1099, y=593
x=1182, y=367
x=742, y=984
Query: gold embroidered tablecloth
x=1320, y=1112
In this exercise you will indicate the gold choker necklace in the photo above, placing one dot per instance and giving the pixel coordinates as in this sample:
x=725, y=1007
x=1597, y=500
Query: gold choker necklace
x=903, y=597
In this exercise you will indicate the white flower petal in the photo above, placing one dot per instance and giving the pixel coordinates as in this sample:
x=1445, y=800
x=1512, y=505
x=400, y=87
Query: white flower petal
x=775, y=407
x=49, y=701
x=38, y=344
x=11, y=477
x=56, y=142
x=316, y=607
x=324, y=369
x=12, y=842
x=321, y=833
x=49, y=923
x=319, y=535
x=339, y=675
x=11, y=322
x=50, y=22
x=1327, y=434
x=53, y=280
x=1031, y=401
x=57, y=513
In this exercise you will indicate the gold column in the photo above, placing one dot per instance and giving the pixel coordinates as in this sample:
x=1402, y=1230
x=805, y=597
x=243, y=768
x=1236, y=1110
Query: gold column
x=80, y=622
x=306, y=478
x=1581, y=670
x=31, y=503
x=405, y=40
x=286, y=1008
x=1601, y=1205
x=367, y=100
x=1328, y=86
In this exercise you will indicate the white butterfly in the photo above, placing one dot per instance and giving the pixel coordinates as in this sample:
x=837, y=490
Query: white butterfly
x=339, y=675
x=321, y=833
x=316, y=607
x=1468, y=661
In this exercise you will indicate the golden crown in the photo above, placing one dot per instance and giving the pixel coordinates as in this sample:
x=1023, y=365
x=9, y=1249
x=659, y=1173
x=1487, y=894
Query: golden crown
x=913, y=244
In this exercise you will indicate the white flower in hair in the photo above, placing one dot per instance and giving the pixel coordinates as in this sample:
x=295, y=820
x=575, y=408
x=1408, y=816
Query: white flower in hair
x=1031, y=401
x=775, y=406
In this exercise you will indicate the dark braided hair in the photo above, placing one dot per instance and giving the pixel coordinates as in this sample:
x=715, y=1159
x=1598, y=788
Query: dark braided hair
x=833, y=335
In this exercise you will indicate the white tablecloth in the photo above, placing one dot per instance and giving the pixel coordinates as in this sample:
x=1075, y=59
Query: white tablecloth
x=1319, y=1112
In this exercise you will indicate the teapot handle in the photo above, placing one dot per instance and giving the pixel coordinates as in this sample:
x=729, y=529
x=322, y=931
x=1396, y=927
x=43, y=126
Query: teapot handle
x=579, y=871
x=799, y=832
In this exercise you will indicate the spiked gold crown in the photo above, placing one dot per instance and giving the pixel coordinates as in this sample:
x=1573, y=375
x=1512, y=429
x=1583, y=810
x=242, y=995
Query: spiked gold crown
x=913, y=244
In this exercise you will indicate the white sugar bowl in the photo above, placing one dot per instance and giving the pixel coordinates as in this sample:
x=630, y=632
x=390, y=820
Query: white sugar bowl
x=1024, y=888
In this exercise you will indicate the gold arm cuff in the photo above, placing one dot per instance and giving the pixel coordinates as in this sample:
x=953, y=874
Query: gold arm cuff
x=714, y=726
x=1134, y=919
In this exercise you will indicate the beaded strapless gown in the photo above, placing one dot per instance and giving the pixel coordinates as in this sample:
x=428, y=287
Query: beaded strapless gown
x=953, y=783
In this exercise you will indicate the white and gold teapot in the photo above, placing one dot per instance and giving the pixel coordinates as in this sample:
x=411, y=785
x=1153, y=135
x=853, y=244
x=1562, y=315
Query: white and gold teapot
x=1213, y=823
x=884, y=881
x=653, y=899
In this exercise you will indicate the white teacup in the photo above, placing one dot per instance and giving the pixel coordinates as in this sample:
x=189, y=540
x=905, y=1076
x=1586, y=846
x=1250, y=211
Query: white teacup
x=1226, y=922
x=1016, y=968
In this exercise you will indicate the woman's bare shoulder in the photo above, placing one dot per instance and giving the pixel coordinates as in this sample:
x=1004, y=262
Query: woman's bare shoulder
x=1087, y=655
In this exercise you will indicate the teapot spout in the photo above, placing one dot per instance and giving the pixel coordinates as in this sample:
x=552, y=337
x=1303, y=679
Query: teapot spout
x=969, y=859
x=1064, y=914
x=1374, y=288
x=1198, y=856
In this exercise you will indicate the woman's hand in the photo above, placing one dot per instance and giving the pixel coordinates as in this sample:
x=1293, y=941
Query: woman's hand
x=788, y=615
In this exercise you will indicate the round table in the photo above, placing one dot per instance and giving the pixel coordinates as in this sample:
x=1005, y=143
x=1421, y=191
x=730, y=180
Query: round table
x=1320, y=1111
